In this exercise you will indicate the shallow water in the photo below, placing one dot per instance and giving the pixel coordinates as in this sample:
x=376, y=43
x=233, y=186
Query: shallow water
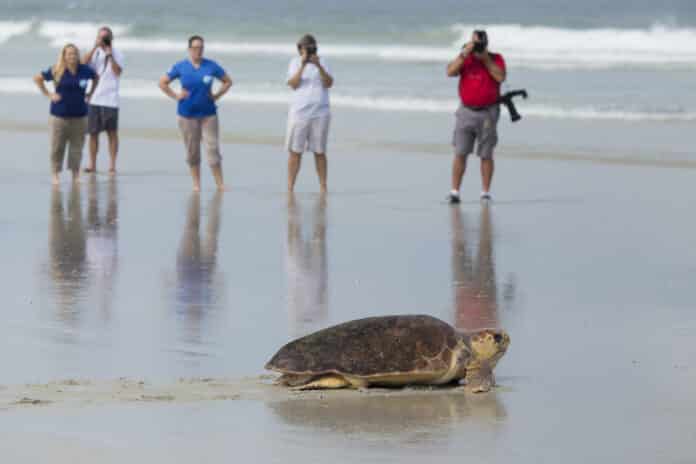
x=137, y=277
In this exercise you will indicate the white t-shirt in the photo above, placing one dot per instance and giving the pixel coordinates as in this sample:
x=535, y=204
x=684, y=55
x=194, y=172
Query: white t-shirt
x=106, y=93
x=311, y=99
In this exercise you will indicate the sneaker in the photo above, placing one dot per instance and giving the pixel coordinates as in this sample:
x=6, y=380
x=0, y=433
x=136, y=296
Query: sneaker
x=486, y=196
x=453, y=198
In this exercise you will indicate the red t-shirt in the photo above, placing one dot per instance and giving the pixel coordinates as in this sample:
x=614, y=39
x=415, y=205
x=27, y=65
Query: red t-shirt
x=476, y=85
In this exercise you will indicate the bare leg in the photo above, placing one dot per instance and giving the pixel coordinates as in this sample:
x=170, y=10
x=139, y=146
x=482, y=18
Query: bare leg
x=321, y=165
x=93, y=149
x=294, y=161
x=458, y=169
x=217, y=174
x=196, y=177
x=487, y=168
x=113, y=150
x=55, y=178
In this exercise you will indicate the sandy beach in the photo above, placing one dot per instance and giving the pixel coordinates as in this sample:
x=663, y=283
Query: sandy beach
x=138, y=315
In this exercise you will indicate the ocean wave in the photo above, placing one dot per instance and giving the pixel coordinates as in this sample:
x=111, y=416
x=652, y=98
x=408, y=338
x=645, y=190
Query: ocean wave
x=80, y=33
x=535, y=47
x=9, y=29
x=141, y=89
x=657, y=45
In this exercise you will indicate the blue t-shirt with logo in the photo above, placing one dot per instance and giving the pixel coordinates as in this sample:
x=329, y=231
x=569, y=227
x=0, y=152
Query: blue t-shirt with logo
x=199, y=84
x=72, y=89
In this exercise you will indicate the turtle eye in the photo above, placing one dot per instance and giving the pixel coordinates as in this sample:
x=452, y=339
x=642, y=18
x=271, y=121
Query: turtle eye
x=498, y=338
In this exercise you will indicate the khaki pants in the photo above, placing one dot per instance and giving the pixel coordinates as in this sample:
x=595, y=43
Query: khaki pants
x=66, y=131
x=193, y=130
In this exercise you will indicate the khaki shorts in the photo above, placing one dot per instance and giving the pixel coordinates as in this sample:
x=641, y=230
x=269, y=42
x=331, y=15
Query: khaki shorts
x=195, y=130
x=308, y=135
x=476, y=126
x=70, y=133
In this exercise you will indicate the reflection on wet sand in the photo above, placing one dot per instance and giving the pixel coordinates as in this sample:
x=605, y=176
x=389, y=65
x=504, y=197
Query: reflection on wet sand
x=196, y=266
x=307, y=269
x=474, y=278
x=430, y=411
x=67, y=250
x=102, y=242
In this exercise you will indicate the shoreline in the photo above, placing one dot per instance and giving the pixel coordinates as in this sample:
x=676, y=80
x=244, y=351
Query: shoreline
x=386, y=146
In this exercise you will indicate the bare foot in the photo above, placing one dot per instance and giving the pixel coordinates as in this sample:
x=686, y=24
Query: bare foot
x=55, y=179
x=223, y=188
x=112, y=171
x=196, y=188
x=76, y=177
x=323, y=189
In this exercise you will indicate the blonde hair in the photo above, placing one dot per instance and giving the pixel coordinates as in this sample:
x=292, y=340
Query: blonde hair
x=59, y=68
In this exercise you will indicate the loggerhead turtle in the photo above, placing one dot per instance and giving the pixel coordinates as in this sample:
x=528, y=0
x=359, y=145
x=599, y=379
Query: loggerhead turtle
x=390, y=351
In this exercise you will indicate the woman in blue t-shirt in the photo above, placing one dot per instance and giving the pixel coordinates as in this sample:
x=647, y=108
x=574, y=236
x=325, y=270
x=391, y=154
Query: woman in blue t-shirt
x=197, y=112
x=68, y=108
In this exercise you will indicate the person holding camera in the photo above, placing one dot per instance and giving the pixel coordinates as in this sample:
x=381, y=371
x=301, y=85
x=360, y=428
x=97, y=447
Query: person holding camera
x=480, y=74
x=310, y=115
x=196, y=109
x=107, y=62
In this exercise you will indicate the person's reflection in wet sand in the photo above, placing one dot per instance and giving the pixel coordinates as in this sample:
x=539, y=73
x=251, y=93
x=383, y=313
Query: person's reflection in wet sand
x=196, y=266
x=67, y=249
x=102, y=241
x=474, y=279
x=307, y=269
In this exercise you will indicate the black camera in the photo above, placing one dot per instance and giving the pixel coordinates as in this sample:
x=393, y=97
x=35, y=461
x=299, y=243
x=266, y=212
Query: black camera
x=482, y=43
x=106, y=41
x=311, y=50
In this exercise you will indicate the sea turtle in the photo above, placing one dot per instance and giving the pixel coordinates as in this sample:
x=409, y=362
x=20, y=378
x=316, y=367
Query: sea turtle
x=390, y=351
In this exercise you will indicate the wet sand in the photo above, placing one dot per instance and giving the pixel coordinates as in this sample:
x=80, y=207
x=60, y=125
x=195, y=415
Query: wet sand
x=138, y=315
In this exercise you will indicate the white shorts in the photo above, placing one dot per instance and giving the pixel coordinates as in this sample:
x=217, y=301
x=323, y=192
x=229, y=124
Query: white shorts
x=308, y=135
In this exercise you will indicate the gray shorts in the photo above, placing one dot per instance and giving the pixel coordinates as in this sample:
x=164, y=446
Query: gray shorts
x=101, y=118
x=308, y=135
x=476, y=126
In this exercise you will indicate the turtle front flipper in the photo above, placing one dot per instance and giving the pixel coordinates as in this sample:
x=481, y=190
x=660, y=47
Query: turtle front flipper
x=325, y=382
x=293, y=380
x=480, y=380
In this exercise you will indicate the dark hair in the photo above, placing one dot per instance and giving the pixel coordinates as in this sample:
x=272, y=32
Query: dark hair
x=482, y=36
x=193, y=38
x=307, y=40
x=108, y=31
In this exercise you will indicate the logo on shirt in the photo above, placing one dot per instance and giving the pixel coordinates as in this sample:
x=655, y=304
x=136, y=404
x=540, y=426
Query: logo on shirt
x=83, y=83
x=207, y=79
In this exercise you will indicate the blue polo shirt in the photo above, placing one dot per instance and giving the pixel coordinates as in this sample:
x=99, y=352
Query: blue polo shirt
x=72, y=89
x=199, y=84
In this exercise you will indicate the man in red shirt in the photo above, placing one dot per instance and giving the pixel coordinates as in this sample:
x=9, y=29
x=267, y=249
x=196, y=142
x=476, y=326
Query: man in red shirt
x=480, y=75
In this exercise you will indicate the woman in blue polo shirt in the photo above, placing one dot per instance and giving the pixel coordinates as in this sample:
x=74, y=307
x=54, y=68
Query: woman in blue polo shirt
x=197, y=112
x=68, y=108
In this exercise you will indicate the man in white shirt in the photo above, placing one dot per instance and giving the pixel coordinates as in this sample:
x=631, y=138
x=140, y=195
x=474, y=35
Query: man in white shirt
x=310, y=114
x=107, y=62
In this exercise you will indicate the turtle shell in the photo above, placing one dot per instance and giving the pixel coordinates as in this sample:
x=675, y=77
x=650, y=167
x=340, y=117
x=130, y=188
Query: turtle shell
x=369, y=347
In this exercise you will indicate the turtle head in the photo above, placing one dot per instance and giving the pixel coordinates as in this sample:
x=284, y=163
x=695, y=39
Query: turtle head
x=487, y=347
